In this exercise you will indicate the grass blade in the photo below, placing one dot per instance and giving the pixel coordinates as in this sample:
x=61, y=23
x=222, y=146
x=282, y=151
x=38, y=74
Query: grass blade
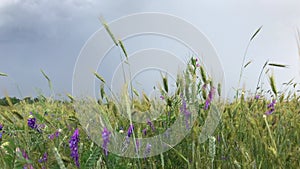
x=3, y=74
x=99, y=77
x=277, y=65
x=258, y=30
x=48, y=79
x=123, y=49
x=273, y=86
x=248, y=63
x=108, y=31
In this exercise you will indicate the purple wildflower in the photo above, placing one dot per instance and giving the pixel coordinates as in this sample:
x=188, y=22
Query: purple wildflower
x=24, y=154
x=44, y=158
x=73, y=143
x=272, y=104
x=162, y=97
x=32, y=123
x=51, y=136
x=257, y=97
x=144, y=131
x=210, y=97
x=186, y=112
x=56, y=134
x=0, y=135
x=147, y=150
x=270, y=111
x=1, y=127
x=271, y=107
x=105, y=137
x=151, y=125
x=130, y=130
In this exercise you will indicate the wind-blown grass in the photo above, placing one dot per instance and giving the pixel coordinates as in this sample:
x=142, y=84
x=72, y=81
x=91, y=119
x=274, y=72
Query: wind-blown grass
x=245, y=138
x=249, y=135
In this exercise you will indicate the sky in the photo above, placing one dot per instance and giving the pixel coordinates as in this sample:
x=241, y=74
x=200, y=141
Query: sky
x=49, y=35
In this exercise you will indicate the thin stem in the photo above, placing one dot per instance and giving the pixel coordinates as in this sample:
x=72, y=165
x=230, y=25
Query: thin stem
x=242, y=68
x=263, y=68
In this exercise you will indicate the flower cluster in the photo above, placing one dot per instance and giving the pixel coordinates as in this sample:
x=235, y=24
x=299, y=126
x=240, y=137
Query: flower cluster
x=130, y=130
x=209, y=98
x=105, y=137
x=25, y=156
x=147, y=150
x=271, y=107
x=44, y=158
x=151, y=125
x=186, y=112
x=73, y=143
x=56, y=134
x=1, y=127
x=32, y=123
x=144, y=131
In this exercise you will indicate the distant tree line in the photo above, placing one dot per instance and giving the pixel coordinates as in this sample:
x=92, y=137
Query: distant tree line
x=14, y=100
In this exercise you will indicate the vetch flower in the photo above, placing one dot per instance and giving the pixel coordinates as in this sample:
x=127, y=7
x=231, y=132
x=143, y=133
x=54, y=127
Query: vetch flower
x=272, y=104
x=130, y=130
x=162, y=97
x=105, y=137
x=56, y=134
x=32, y=123
x=144, y=131
x=209, y=98
x=186, y=112
x=44, y=158
x=1, y=127
x=24, y=154
x=51, y=136
x=151, y=125
x=257, y=97
x=271, y=107
x=147, y=150
x=73, y=144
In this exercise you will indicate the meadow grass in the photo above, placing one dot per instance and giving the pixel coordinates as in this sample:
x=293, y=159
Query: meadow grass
x=246, y=137
x=256, y=130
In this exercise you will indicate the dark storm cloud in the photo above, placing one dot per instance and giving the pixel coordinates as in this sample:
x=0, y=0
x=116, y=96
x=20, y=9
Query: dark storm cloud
x=48, y=34
x=35, y=20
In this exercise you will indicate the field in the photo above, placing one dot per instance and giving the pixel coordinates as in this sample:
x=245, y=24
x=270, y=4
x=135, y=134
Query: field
x=258, y=129
x=255, y=131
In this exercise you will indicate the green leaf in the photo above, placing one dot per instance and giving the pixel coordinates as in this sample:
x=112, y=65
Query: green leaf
x=93, y=157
